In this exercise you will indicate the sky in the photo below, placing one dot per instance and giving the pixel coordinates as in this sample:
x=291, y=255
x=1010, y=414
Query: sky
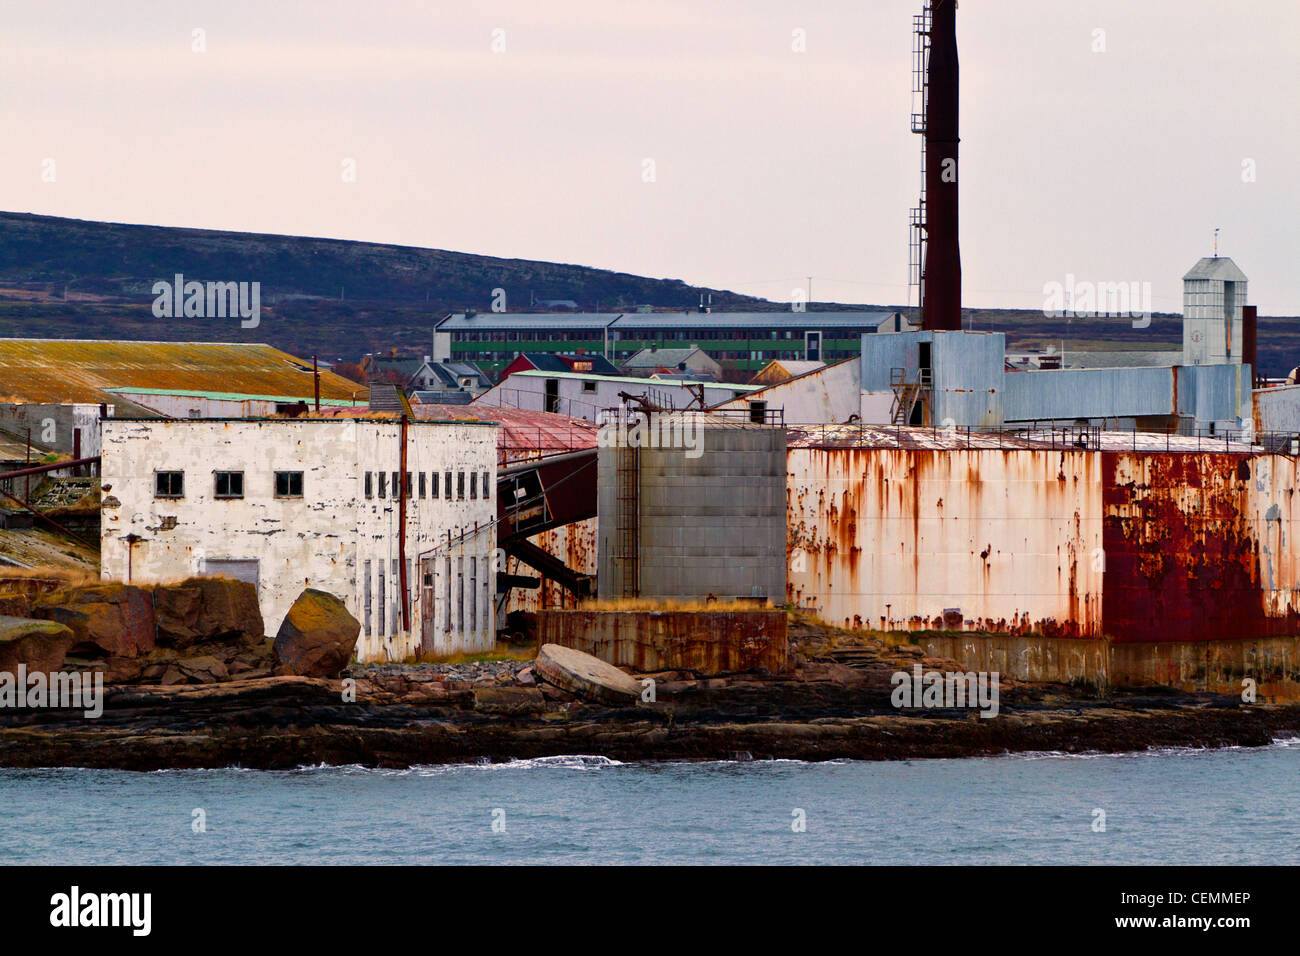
x=738, y=144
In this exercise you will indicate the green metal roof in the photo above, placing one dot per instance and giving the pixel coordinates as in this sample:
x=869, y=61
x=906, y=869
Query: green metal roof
x=732, y=386
x=237, y=396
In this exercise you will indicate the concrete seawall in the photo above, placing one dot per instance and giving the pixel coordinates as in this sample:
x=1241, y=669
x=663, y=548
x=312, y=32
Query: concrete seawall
x=1189, y=666
x=708, y=642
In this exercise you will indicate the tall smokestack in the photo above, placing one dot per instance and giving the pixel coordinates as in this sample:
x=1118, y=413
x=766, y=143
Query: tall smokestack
x=1249, y=341
x=941, y=306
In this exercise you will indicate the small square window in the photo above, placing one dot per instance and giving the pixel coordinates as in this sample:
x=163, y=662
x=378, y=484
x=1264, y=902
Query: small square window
x=230, y=484
x=288, y=484
x=169, y=484
x=589, y=386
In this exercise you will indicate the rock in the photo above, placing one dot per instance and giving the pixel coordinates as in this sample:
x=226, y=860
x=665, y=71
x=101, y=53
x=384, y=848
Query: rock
x=41, y=645
x=318, y=636
x=203, y=669
x=526, y=677
x=228, y=611
x=15, y=605
x=109, y=620
x=586, y=676
x=176, y=609
x=513, y=701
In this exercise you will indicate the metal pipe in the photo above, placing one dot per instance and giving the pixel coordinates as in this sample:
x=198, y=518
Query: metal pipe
x=401, y=534
x=42, y=469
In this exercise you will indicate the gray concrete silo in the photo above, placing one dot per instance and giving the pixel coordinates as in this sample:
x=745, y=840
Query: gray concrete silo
x=697, y=515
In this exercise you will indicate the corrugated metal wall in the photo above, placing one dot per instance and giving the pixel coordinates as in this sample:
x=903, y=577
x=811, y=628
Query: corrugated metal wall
x=1134, y=546
x=1000, y=540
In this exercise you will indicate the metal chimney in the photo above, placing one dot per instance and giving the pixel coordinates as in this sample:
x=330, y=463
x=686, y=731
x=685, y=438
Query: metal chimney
x=941, y=279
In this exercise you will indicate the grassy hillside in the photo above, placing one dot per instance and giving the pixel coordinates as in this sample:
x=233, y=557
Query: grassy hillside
x=339, y=299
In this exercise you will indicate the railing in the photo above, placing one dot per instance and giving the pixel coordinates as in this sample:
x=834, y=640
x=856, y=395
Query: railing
x=1049, y=437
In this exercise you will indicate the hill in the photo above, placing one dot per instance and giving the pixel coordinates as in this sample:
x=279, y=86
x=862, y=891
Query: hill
x=72, y=278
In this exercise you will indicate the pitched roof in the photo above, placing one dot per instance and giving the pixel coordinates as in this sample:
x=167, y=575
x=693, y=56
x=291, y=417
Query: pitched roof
x=1216, y=267
x=85, y=370
x=562, y=362
x=659, y=358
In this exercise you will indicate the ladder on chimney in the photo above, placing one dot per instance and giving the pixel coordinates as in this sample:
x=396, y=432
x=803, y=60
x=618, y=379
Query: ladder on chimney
x=921, y=24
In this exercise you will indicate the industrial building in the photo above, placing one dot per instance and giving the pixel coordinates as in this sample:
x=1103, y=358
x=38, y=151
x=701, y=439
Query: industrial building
x=746, y=340
x=586, y=395
x=60, y=388
x=397, y=518
x=697, y=519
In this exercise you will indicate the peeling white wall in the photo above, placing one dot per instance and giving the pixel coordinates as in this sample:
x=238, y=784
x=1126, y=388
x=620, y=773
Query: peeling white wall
x=327, y=538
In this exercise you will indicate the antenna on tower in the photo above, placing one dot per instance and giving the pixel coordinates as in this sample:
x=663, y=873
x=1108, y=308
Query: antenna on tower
x=1216, y=242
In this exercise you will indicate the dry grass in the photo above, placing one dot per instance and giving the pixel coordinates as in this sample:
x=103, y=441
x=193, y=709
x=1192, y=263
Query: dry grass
x=67, y=577
x=653, y=604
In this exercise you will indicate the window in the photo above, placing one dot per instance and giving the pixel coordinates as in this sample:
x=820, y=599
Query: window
x=473, y=485
x=367, y=592
x=485, y=486
x=408, y=484
x=230, y=484
x=383, y=484
x=758, y=412
x=370, y=486
x=379, y=618
x=168, y=484
x=446, y=485
x=397, y=597
x=423, y=483
x=397, y=489
x=460, y=486
x=433, y=484
x=288, y=484
x=589, y=386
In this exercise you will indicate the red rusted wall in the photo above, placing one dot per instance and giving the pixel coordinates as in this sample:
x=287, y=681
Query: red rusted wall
x=1198, y=547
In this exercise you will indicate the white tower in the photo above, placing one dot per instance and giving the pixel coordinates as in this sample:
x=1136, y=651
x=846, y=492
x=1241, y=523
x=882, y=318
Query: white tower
x=1214, y=290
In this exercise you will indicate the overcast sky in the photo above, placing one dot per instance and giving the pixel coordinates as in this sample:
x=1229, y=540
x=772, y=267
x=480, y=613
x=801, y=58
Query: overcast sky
x=769, y=165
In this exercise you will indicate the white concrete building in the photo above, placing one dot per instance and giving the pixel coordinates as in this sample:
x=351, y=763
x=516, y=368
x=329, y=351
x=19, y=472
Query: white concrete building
x=297, y=503
x=585, y=396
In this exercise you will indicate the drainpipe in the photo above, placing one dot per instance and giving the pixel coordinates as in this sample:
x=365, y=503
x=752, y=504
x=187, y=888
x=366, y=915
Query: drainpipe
x=401, y=533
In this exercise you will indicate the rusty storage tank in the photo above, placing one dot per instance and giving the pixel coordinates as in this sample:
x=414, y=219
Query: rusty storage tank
x=691, y=504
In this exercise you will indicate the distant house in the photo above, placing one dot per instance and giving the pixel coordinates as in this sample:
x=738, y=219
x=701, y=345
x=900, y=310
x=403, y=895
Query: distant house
x=581, y=363
x=688, y=360
x=782, y=370
x=414, y=376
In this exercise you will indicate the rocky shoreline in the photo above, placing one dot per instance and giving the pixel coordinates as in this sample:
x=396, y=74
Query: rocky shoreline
x=287, y=722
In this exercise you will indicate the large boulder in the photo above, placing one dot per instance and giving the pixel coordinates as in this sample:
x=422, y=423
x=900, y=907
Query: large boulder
x=41, y=645
x=227, y=611
x=585, y=676
x=318, y=636
x=110, y=620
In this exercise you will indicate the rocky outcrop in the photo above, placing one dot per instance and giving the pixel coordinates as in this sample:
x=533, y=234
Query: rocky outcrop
x=203, y=630
x=41, y=645
x=317, y=637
